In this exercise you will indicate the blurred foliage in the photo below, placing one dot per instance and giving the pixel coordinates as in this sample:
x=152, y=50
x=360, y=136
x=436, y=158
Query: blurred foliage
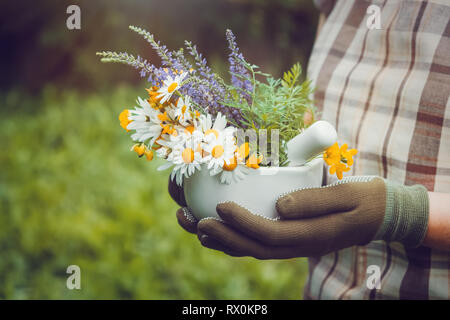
x=72, y=193
x=38, y=49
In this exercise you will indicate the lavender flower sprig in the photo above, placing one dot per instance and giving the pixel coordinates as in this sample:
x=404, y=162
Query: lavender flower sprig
x=209, y=92
x=165, y=55
x=212, y=82
x=156, y=75
x=240, y=77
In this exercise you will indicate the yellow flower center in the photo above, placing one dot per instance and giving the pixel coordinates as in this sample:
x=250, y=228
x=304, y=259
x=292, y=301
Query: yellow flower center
x=172, y=87
x=212, y=131
x=188, y=155
x=217, y=151
x=232, y=164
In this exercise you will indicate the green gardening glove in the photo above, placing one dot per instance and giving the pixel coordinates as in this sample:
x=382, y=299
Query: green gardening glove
x=315, y=221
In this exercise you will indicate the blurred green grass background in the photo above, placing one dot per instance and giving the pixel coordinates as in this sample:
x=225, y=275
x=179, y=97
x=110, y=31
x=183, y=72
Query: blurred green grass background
x=71, y=192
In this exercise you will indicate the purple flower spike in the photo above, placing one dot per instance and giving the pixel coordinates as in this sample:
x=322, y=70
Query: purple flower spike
x=239, y=73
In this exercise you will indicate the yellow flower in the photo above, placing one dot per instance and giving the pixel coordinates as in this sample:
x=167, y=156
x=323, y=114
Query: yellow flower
x=149, y=154
x=339, y=159
x=123, y=118
x=189, y=129
x=339, y=168
x=243, y=150
x=332, y=155
x=163, y=117
x=169, y=128
x=348, y=154
x=254, y=161
x=153, y=100
x=167, y=124
x=139, y=149
x=142, y=150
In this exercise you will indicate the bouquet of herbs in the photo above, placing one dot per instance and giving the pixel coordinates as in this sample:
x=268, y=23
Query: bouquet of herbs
x=192, y=115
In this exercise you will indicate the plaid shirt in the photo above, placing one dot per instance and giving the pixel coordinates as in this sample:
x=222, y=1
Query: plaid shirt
x=387, y=92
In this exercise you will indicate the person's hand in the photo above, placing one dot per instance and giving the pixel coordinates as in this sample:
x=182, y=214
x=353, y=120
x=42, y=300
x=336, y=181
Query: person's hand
x=185, y=219
x=316, y=221
x=188, y=222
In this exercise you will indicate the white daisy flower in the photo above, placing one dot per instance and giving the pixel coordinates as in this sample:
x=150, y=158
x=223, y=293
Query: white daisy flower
x=205, y=123
x=183, y=110
x=163, y=152
x=168, y=123
x=170, y=85
x=234, y=168
x=219, y=151
x=144, y=120
x=186, y=161
x=171, y=111
x=187, y=137
x=186, y=153
x=233, y=172
x=219, y=143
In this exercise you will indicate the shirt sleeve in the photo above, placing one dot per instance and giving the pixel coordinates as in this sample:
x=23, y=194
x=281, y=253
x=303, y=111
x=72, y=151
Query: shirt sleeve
x=325, y=6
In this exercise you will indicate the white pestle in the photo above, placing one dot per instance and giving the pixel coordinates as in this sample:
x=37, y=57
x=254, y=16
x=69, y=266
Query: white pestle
x=314, y=140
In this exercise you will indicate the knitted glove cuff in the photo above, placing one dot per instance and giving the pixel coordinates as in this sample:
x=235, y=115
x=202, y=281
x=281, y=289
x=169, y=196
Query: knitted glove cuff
x=406, y=214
